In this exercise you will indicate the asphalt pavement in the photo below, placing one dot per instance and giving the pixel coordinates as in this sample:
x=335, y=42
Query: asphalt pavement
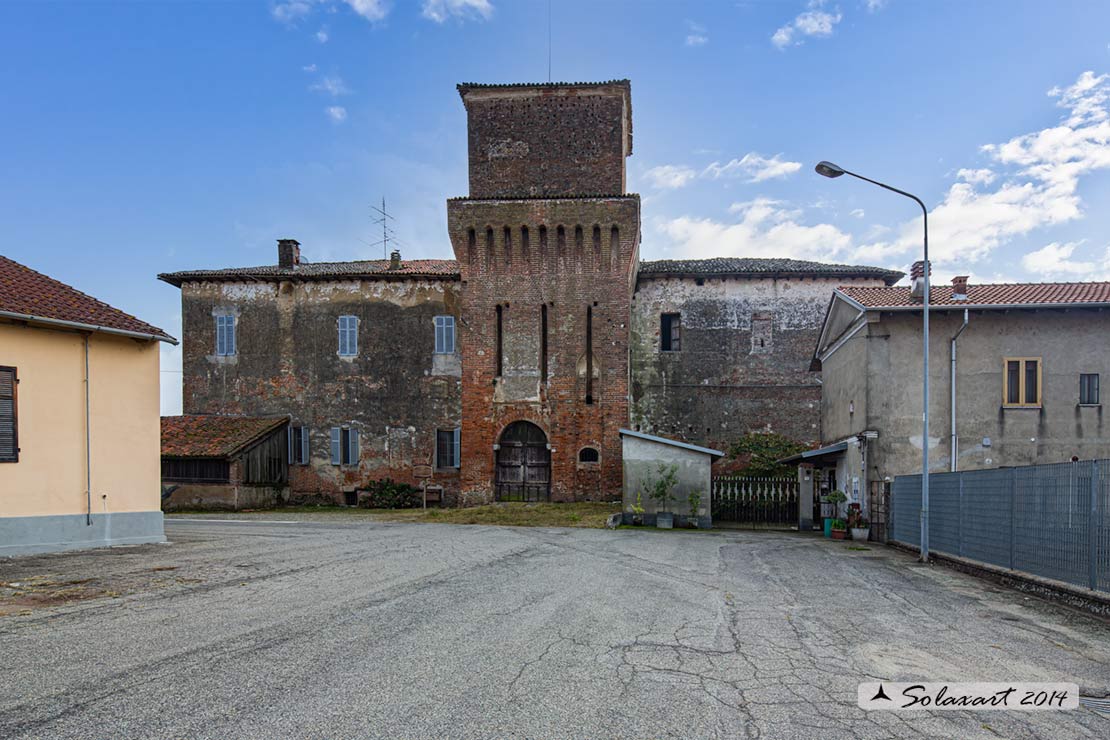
x=334, y=629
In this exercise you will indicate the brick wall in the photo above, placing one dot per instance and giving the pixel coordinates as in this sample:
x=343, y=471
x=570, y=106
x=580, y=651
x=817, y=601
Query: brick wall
x=573, y=255
x=547, y=140
x=396, y=392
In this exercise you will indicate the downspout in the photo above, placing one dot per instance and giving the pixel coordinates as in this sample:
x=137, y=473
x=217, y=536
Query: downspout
x=952, y=385
x=88, y=443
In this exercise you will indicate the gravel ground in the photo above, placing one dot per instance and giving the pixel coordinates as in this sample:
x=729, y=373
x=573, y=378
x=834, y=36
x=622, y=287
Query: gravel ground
x=329, y=629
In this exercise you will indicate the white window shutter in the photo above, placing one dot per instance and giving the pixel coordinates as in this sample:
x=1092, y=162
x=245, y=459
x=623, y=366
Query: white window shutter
x=458, y=447
x=304, y=445
x=353, y=453
x=335, y=435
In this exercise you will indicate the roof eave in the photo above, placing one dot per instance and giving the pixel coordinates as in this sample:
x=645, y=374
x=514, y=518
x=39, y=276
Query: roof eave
x=987, y=306
x=93, y=328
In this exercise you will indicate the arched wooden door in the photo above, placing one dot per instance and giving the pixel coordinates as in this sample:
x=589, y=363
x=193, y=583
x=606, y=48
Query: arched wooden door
x=523, y=464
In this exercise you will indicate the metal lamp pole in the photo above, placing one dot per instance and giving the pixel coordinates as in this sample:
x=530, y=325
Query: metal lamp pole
x=828, y=169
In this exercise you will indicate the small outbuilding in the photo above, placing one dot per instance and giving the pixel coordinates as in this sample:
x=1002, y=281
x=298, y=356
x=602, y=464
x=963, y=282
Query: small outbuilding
x=648, y=458
x=224, y=462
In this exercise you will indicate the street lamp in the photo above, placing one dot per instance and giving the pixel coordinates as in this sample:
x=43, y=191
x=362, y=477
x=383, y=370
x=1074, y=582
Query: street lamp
x=830, y=170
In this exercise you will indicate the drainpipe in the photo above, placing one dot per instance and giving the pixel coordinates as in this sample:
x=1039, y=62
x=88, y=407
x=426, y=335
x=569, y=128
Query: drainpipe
x=88, y=443
x=952, y=385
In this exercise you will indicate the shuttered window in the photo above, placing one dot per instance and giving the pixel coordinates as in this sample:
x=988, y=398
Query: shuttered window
x=445, y=335
x=298, y=445
x=344, y=446
x=447, y=448
x=670, y=332
x=9, y=432
x=225, y=335
x=348, y=336
x=1088, y=389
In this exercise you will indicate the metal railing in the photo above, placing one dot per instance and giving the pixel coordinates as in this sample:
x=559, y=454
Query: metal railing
x=1051, y=521
x=756, y=501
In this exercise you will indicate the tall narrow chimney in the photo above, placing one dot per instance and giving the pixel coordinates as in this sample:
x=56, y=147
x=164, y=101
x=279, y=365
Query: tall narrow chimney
x=395, y=260
x=289, y=252
x=917, y=279
x=959, y=288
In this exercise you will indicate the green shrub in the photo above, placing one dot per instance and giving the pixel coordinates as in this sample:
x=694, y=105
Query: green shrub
x=761, y=451
x=389, y=494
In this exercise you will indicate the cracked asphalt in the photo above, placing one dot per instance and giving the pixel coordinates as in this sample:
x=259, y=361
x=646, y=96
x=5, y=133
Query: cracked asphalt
x=358, y=629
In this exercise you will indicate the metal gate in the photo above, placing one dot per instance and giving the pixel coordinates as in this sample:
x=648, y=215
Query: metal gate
x=768, y=502
x=523, y=464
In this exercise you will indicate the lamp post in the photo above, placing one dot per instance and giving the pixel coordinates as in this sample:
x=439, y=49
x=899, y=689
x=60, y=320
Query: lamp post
x=828, y=169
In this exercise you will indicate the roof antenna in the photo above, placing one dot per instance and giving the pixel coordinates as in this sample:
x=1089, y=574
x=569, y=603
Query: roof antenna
x=549, y=41
x=387, y=233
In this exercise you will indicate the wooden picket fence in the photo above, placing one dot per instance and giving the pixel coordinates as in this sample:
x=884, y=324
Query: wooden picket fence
x=766, y=502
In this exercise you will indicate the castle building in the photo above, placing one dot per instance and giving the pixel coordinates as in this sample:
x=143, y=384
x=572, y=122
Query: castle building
x=507, y=373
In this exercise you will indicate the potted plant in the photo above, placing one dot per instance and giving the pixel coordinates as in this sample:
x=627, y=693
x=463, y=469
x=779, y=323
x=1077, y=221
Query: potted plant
x=694, y=499
x=839, y=529
x=836, y=498
x=860, y=527
x=661, y=490
x=638, y=510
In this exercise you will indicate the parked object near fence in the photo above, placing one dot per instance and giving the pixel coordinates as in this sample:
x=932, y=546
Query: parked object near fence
x=1051, y=521
x=771, y=502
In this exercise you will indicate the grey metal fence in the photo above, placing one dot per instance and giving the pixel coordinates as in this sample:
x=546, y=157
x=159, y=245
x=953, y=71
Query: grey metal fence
x=1051, y=521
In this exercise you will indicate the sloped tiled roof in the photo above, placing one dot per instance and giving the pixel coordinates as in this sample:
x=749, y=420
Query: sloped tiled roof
x=762, y=267
x=369, y=269
x=214, y=436
x=25, y=293
x=996, y=294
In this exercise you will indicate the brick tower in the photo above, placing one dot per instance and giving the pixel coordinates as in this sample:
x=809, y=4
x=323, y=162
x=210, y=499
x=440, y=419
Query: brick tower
x=547, y=243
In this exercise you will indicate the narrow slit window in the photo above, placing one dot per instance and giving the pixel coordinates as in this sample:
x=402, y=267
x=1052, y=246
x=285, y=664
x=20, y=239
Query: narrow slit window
x=1088, y=389
x=445, y=335
x=507, y=244
x=498, y=349
x=489, y=247
x=589, y=354
x=670, y=332
x=471, y=246
x=543, y=343
x=525, y=246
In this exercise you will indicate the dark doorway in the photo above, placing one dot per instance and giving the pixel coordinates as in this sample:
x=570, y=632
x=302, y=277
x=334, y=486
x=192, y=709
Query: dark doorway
x=523, y=464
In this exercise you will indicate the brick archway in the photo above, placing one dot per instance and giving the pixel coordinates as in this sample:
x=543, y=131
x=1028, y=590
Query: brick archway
x=523, y=471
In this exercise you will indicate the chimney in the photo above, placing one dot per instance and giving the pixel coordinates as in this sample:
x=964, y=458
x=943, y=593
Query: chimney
x=959, y=288
x=289, y=253
x=395, y=259
x=917, y=279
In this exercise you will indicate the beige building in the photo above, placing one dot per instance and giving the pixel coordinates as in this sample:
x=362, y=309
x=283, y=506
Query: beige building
x=1015, y=371
x=79, y=419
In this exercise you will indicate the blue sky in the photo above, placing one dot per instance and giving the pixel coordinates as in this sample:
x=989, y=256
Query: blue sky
x=148, y=137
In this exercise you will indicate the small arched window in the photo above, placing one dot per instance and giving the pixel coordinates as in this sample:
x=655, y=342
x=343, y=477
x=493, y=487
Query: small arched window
x=588, y=455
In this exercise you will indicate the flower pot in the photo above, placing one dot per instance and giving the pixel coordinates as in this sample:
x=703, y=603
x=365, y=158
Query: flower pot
x=860, y=534
x=840, y=534
x=637, y=520
x=664, y=521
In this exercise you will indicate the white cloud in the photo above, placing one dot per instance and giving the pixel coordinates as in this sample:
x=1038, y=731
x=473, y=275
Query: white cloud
x=976, y=177
x=332, y=86
x=1054, y=262
x=754, y=166
x=336, y=113
x=873, y=6
x=668, y=176
x=813, y=22
x=309, y=68
x=858, y=213
x=697, y=34
x=1041, y=189
x=322, y=36
x=371, y=10
x=440, y=10
x=291, y=11
x=765, y=228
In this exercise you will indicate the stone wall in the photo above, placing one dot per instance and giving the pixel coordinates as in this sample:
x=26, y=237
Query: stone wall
x=395, y=392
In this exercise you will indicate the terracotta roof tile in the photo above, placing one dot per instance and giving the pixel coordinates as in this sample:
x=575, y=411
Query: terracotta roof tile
x=359, y=269
x=997, y=294
x=28, y=293
x=761, y=267
x=214, y=436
